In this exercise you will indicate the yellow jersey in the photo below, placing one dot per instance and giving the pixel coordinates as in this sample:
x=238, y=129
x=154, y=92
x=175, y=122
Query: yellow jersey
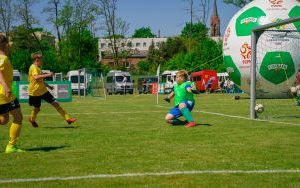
x=36, y=87
x=7, y=70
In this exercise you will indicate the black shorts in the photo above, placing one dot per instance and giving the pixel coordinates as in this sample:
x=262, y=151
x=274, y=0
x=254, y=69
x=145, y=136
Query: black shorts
x=5, y=108
x=36, y=100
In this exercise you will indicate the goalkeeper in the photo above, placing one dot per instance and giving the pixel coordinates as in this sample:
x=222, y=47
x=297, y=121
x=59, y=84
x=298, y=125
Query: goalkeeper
x=183, y=95
x=38, y=91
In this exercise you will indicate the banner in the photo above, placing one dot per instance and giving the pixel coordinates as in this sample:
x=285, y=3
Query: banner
x=61, y=92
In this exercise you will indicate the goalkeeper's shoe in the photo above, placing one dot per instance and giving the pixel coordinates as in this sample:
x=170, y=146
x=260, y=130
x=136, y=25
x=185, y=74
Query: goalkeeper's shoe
x=71, y=120
x=33, y=123
x=190, y=124
x=13, y=149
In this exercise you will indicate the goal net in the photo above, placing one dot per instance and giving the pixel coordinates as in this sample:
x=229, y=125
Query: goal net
x=275, y=64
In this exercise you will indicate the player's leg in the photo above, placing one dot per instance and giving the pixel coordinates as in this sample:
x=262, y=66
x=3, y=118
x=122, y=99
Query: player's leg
x=34, y=101
x=4, y=114
x=186, y=108
x=4, y=118
x=15, y=128
x=173, y=115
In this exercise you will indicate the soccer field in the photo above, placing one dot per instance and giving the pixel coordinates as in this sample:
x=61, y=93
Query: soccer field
x=124, y=142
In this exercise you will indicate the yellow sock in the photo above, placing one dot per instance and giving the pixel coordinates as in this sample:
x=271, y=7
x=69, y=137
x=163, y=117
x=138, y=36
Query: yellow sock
x=14, y=133
x=62, y=112
x=34, y=113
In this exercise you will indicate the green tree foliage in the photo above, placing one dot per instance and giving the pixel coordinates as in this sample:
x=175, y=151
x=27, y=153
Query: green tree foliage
x=144, y=32
x=196, y=31
x=172, y=46
x=206, y=55
x=79, y=50
x=238, y=3
x=144, y=66
x=24, y=44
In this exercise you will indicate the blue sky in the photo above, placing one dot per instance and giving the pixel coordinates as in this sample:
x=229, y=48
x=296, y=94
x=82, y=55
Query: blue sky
x=168, y=16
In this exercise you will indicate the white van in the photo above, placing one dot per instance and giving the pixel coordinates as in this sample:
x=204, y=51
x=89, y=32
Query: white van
x=16, y=75
x=169, y=78
x=118, y=82
x=73, y=76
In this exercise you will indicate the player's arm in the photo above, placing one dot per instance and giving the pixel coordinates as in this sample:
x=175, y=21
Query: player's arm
x=42, y=76
x=4, y=84
x=190, y=89
x=169, y=97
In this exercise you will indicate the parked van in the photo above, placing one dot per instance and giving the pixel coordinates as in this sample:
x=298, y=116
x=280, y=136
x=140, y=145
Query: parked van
x=118, y=82
x=169, y=78
x=16, y=75
x=73, y=78
x=201, y=79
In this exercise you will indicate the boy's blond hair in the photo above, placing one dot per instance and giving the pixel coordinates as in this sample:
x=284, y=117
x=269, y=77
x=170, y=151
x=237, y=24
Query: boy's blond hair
x=36, y=55
x=182, y=73
x=3, y=42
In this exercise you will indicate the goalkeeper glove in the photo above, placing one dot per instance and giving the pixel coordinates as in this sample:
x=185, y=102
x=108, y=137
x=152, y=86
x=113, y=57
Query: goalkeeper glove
x=195, y=91
x=167, y=100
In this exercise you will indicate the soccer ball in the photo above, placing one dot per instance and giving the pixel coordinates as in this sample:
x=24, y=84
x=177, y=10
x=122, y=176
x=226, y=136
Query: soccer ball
x=293, y=90
x=259, y=108
x=277, y=59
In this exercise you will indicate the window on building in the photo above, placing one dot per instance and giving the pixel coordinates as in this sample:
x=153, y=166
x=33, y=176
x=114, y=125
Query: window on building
x=144, y=44
x=129, y=44
x=138, y=44
x=103, y=45
x=157, y=44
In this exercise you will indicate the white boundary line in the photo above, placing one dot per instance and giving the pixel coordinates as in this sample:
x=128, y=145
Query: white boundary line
x=102, y=176
x=239, y=117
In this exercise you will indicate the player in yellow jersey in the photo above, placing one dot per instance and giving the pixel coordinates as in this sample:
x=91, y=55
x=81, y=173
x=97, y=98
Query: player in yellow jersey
x=38, y=91
x=8, y=102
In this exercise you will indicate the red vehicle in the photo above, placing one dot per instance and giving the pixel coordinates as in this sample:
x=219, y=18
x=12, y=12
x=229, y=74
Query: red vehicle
x=204, y=79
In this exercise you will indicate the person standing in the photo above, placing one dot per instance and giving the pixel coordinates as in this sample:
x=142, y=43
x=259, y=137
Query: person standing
x=8, y=102
x=38, y=91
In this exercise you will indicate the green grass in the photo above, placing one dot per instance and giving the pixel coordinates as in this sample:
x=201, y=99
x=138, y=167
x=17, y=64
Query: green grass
x=127, y=134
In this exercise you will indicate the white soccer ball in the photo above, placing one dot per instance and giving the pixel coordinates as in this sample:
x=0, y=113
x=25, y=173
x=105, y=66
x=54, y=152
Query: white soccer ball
x=259, y=108
x=277, y=55
x=293, y=90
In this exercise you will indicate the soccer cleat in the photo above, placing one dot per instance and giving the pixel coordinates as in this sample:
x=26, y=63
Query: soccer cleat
x=13, y=149
x=190, y=124
x=33, y=123
x=71, y=120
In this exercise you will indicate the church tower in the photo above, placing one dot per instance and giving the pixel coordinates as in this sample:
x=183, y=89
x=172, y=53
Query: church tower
x=215, y=22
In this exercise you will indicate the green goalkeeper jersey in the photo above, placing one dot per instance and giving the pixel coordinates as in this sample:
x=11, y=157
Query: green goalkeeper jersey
x=181, y=94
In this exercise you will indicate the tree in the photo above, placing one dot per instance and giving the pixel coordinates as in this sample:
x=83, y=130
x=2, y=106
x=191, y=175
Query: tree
x=53, y=10
x=238, y=3
x=113, y=26
x=6, y=16
x=143, y=32
x=206, y=55
x=197, y=31
x=23, y=10
x=204, y=10
x=172, y=47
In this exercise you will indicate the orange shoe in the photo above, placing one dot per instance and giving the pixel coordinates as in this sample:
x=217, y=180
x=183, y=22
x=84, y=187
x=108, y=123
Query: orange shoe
x=33, y=123
x=191, y=124
x=71, y=120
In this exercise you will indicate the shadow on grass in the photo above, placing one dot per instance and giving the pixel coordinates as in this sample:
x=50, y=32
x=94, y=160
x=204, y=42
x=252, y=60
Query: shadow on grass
x=46, y=148
x=61, y=127
x=198, y=124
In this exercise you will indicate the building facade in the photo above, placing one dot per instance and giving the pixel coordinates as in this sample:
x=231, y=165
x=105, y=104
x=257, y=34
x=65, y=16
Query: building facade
x=135, y=48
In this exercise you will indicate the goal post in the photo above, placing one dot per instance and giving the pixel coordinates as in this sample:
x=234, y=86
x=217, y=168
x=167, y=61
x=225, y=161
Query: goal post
x=256, y=34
